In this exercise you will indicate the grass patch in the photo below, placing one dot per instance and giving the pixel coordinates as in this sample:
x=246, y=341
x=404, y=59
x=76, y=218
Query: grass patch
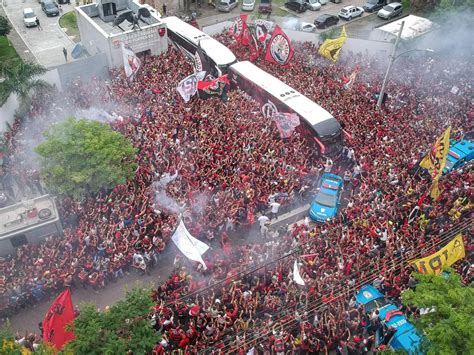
x=8, y=58
x=68, y=23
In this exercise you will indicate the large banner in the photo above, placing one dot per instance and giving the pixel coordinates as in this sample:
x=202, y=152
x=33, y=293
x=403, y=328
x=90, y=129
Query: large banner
x=216, y=87
x=188, y=87
x=279, y=48
x=262, y=29
x=200, y=61
x=435, y=160
x=286, y=123
x=59, y=315
x=448, y=255
x=331, y=48
x=191, y=247
x=237, y=28
x=131, y=63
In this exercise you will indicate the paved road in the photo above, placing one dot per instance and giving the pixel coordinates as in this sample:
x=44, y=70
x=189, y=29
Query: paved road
x=46, y=45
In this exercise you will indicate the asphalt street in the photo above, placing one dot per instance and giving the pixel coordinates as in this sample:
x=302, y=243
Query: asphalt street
x=46, y=44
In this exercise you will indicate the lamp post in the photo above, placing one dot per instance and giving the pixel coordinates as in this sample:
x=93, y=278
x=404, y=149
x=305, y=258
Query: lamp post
x=393, y=58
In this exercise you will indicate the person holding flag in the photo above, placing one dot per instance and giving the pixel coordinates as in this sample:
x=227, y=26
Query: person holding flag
x=331, y=48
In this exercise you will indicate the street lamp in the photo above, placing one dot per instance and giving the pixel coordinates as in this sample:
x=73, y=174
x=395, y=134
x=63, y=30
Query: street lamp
x=393, y=58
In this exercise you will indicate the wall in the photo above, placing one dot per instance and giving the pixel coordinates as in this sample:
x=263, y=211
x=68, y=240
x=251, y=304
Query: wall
x=86, y=68
x=6, y=113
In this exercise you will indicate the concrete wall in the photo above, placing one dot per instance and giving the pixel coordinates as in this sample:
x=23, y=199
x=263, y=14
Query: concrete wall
x=6, y=113
x=93, y=38
x=86, y=68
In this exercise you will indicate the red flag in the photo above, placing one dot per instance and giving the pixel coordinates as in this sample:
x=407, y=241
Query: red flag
x=279, y=48
x=246, y=36
x=236, y=30
x=58, y=316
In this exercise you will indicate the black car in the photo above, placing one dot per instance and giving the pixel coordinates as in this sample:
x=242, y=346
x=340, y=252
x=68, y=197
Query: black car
x=326, y=20
x=374, y=5
x=50, y=8
x=296, y=6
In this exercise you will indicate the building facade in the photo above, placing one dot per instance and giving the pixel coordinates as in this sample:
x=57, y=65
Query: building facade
x=100, y=35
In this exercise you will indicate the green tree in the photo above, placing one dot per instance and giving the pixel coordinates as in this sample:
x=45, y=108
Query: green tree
x=5, y=26
x=80, y=157
x=122, y=328
x=9, y=347
x=448, y=328
x=22, y=80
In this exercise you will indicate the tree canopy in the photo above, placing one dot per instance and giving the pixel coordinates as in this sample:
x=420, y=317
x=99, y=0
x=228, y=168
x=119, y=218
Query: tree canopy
x=80, y=157
x=448, y=325
x=22, y=80
x=118, y=330
x=5, y=26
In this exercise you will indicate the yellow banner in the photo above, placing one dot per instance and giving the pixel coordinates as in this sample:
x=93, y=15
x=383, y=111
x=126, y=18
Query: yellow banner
x=448, y=255
x=331, y=48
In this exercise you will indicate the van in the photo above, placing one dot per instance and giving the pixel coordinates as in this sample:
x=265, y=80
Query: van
x=29, y=17
x=226, y=5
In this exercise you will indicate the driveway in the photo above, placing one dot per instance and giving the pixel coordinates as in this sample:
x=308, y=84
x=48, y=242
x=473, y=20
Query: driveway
x=45, y=45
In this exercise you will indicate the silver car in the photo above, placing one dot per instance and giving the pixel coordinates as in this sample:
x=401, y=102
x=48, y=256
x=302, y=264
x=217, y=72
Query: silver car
x=390, y=11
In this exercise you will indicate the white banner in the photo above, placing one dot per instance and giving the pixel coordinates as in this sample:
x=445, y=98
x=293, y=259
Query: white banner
x=187, y=88
x=131, y=63
x=296, y=275
x=191, y=247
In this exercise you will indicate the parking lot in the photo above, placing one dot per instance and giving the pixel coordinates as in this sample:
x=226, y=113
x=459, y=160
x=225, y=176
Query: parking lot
x=46, y=44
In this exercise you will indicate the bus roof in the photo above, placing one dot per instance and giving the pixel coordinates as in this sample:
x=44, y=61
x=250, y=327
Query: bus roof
x=215, y=50
x=306, y=108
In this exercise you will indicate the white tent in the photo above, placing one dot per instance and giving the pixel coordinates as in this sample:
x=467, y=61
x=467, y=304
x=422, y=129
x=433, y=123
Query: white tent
x=414, y=27
x=191, y=247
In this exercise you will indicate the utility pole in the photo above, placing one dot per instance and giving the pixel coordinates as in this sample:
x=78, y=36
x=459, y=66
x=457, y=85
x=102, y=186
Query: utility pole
x=387, y=73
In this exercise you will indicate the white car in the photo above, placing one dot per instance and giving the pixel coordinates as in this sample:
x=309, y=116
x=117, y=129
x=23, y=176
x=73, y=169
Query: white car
x=313, y=5
x=350, y=12
x=391, y=10
x=248, y=5
x=323, y=2
x=307, y=27
x=29, y=17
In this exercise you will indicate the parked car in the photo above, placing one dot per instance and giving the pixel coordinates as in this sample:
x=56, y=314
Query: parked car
x=390, y=11
x=50, y=8
x=265, y=6
x=323, y=2
x=248, y=5
x=313, y=5
x=374, y=5
x=307, y=27
x=327, y=200
x=459, y=154
x=325, y=21
x=226, y=5
x=29, y=17
x=350, y=12
x=406, y=337
x=296, y=5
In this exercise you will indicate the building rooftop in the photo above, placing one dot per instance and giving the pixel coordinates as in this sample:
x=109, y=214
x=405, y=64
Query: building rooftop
x=109, y=27
x=27, y=214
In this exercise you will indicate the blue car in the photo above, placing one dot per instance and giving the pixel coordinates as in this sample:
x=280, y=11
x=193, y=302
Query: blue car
x=326, y=203
x=405, y=338
x=459, y=154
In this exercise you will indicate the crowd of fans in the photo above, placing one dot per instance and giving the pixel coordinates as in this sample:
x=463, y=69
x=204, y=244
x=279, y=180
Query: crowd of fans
x=219, y=164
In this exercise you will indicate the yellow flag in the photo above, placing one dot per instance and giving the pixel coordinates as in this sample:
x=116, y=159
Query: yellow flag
x=435, y=161
x=448, y=255
x=331, y=48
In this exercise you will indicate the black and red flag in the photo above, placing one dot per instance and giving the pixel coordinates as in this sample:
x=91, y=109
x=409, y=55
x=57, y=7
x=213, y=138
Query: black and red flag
x=279, y=48
x=215, y=87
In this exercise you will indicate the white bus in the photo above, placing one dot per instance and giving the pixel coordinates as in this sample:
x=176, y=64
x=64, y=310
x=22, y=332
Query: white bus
x=316, y=124
x=187, y=37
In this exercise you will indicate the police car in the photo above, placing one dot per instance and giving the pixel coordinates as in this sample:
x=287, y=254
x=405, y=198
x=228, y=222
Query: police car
x=405, y=338
x=327, y=200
